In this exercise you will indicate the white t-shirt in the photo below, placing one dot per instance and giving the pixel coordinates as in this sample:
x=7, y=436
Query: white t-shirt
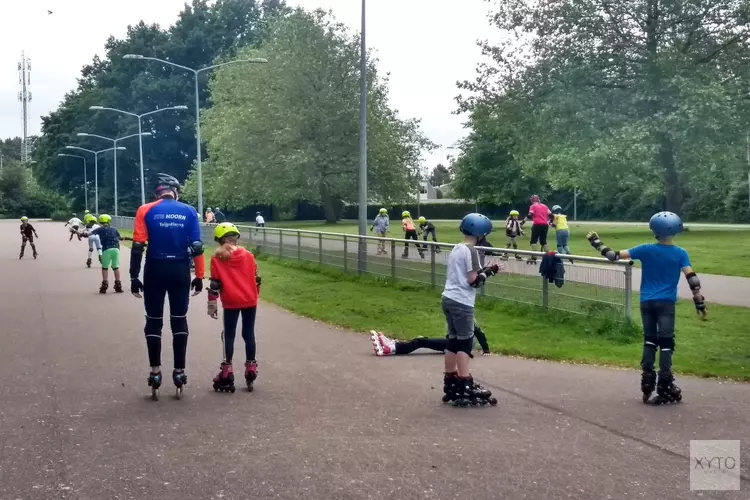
x=75, y=221
x=461, y=261
x=260, y=220
x=92, y=229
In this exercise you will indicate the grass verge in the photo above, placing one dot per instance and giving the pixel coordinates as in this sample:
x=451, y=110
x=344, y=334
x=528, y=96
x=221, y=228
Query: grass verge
x=718, y=348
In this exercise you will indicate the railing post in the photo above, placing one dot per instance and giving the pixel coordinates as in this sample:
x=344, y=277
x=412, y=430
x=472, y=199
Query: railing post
x=393, y=260
x=628, y=292
x=433, y=278
x=320, y=249
x=281, y=244
x=346, y=253
x=299, y=245
x=545, y=293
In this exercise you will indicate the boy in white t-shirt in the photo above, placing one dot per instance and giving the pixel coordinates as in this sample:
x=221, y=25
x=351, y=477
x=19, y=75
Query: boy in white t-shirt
x=75, y=224
x=259, y=221
x=464, y=275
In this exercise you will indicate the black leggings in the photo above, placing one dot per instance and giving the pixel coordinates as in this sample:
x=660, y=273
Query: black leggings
x=411, y=234
x=162, y=278
x=231, y=316
x=421, y=343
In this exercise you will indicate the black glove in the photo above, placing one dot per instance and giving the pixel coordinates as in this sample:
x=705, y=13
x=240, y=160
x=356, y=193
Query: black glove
x=196, y=285
x=700, y=306
x=136, y=287
x=257, y=282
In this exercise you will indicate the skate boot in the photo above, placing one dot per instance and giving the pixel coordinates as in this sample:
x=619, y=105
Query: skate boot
x=20, y=256
x=103, y=288
x=666, y=391
x=376, y=346
x=224, y=381
x=450, y=387
x=35, y=254
x=387, y=345
x=118, y=286
x=154, y=382
x=405, y=255
x=88, y=262
x=180, y=380
x=480, y=395
x=251, y=373
x=648, y=384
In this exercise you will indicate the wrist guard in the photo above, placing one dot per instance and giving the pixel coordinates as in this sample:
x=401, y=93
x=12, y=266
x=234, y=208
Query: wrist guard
x=603, y=249
x=482, y=276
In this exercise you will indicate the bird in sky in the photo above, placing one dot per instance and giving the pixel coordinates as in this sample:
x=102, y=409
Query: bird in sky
x=49, y=12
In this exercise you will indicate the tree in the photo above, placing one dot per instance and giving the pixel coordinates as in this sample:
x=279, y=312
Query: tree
x=203, y=32
x=10, y=149
x=21, y=195
x=633, y=98
x=440, y=175
x=288, y=131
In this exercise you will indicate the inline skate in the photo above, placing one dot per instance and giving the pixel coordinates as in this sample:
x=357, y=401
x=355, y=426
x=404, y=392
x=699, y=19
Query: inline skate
x=666, y=391
x=118, y=286
x=154, y=382
x=88, y=262
x=648, y=384
x=251, y=373
x=224, y=381
x=103, y=287
x=180, y=380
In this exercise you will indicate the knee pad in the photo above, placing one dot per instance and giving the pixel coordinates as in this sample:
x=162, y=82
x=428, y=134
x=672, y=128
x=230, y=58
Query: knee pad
x=460, y=345
x=666, y=343
x=153, y=327
x=651, y=342
x=178, y=324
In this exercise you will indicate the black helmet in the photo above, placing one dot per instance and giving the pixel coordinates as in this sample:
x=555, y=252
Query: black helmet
x=166, y=182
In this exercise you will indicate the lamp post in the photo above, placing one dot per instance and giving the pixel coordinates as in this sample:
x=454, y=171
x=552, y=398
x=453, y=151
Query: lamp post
x=196, y=73
x=96, y=170
x=114, y=145
x=85, y=180
x=139, y=134
x=362, y=253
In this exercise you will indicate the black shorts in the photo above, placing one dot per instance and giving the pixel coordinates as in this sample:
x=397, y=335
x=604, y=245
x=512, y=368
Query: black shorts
x=539, y=234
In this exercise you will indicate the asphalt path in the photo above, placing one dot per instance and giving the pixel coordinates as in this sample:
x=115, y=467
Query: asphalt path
x=328, y=420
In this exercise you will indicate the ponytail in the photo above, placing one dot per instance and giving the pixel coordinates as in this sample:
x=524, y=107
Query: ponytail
x=227, y=246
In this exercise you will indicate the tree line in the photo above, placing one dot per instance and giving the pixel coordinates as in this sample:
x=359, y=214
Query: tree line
x=641, y=105
x=274, y=134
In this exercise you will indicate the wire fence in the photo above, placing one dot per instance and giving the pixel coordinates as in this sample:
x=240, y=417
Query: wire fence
x=592, y=286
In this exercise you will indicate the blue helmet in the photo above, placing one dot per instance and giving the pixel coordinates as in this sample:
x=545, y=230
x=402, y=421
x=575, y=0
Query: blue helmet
x=665, y=224
x=476, y=225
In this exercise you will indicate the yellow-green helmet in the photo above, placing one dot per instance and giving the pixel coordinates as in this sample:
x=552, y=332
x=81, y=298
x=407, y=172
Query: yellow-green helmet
x=86, y=211
x=514, y=213
x=105, y=219
x=24, y=218
x=383, y=211
x=405, y=214
x=225, y=229
x=422, y=220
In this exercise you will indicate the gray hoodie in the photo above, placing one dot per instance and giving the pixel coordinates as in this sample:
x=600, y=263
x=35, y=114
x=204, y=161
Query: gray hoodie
x=381, y=223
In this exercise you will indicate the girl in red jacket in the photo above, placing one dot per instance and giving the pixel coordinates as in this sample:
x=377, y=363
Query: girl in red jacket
x=234, y=278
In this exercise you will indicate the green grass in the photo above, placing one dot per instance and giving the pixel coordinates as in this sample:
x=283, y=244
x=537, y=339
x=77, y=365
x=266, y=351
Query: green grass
x=712, y=251
x=719, y=347
x=716, y=348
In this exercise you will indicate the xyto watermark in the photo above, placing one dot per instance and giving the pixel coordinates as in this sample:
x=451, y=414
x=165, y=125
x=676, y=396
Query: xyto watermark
x=715, y=465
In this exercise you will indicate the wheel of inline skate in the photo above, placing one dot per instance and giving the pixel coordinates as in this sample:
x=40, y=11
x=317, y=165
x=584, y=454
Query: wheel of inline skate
x=446, y=398
x=250, y=387
x=678, y=398
x=178, y=392
x=155, y=394
x=646, y=397
x=232, y=389
x=492, y=401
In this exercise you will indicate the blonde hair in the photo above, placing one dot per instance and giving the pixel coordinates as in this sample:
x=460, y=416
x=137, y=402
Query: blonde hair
x=227, y=246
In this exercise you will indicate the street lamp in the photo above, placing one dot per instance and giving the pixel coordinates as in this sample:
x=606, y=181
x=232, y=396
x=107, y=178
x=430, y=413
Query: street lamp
x=139, y=134
x=96, y=170
x=362, y=145
x=196, y=72
x=114, y=144
x=85, y=180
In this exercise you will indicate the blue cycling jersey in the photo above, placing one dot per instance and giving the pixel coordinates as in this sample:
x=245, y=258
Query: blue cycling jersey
x=169, y=227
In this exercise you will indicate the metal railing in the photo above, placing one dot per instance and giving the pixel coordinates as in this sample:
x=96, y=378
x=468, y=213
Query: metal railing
x=592, y=285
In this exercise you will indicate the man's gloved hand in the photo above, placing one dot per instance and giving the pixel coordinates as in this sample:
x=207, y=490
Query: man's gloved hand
x=700, y=306
x=197, y=286
x=257, y=282
x=486, y=353
x=213, y=309
x=591, y=236
x=136, y=287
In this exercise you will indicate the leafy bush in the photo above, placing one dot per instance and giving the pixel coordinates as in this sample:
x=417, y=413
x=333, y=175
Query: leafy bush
x=61, y=215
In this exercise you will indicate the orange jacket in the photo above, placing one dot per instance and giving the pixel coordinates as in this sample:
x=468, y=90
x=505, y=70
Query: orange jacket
x=237, y=277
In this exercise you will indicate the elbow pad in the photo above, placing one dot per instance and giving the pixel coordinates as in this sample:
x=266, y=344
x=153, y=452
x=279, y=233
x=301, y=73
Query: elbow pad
x=196, y=248
x=214, y=285
x=609, y=253
x=694, y=282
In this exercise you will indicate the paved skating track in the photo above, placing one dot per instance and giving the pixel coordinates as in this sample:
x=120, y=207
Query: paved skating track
x=327, y=420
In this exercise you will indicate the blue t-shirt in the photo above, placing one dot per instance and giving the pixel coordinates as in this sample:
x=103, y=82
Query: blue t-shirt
x=662, y=265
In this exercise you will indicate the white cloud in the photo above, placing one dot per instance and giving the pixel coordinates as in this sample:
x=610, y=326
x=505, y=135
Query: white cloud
x=426, y=45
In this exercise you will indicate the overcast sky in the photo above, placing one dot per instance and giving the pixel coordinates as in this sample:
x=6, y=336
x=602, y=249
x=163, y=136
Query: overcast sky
x=426, y=45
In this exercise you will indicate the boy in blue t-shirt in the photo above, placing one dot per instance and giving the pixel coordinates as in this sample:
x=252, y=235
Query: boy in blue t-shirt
x=662, y=263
